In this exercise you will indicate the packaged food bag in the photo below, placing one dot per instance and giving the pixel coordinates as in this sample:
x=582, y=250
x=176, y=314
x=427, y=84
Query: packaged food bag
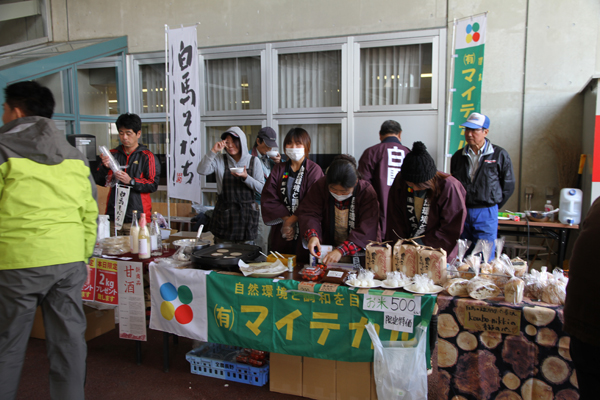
x=379, y=259
x=405, y=257
x=480, y=288
x=433, y=263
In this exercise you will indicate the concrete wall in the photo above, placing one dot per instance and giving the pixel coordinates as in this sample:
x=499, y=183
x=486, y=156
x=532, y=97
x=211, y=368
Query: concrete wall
x=538, y=55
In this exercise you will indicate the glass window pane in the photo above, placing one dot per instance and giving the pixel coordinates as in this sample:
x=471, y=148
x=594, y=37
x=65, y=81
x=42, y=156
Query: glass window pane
x=65, y=127
x=325, y=141
x=154, y=136
x=29, y=25
x=233, y=84
x=152, y=77
x=395, y=75
x=106, y=133
x=54, y=82
x=310, y=80
x=98, y=91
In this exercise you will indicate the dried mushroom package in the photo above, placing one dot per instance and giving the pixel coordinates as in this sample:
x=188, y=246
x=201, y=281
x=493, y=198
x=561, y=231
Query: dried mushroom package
x=514, y=289
x=457, y=287
x=480, y=288
x=555, y=290
x=458, y=264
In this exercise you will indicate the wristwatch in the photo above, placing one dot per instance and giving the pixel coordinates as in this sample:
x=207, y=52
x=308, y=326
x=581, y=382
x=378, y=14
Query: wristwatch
x=132, y=182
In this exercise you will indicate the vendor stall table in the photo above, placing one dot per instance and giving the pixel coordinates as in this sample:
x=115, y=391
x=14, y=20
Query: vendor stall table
x=550, y=230
x=279, y=315
x=476, y=361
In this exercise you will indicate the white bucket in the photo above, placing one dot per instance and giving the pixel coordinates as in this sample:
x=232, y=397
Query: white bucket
x=570, y=206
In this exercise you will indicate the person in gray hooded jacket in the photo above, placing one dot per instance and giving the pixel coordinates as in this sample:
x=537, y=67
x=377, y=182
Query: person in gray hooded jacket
x=235, y=218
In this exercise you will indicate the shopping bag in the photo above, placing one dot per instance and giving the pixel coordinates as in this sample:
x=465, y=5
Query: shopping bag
x=399, y=367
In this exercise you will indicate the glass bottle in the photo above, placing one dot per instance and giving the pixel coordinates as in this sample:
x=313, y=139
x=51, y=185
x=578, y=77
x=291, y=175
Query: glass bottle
x=155, y=236
x=144, y=239
x=133, y=233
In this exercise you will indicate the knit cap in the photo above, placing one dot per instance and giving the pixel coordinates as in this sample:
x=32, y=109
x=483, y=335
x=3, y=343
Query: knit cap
x=418, y=165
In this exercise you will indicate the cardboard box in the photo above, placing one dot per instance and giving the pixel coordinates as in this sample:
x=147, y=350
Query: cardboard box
x=98, y=322
x=318, y=379
x=285, y=374
x=353, y=380
x=373, y=384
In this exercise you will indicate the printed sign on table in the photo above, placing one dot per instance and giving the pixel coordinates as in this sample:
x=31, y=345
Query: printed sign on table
x=179, y=301
x=494, y=319
x=106, y=281
x=132, y=309
x=89, y=287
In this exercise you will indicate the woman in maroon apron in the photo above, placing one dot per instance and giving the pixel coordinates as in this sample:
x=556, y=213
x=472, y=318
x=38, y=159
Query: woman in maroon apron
x=426, y=202
x=341, y=210
x=284, y=190
x=235, y=217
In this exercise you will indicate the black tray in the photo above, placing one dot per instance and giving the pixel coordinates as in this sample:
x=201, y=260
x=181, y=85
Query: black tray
x=204, y=260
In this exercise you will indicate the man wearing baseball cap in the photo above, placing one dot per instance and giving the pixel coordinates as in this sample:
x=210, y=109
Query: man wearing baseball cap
x=266, y=142
x=485, y=170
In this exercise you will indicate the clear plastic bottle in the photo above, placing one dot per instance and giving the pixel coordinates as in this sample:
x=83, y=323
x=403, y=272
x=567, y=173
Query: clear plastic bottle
x=155, y=236
x=549, y=207
x=144, y=239
x=133, y=233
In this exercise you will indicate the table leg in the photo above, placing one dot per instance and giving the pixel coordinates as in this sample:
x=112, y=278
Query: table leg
x=562, y=247
x=165, y=352
x=138, y=352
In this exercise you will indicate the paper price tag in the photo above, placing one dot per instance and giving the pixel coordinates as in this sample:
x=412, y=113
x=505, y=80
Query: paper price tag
x=404, y=306
x=329, y=287
x=306, y=286
x=394, y=322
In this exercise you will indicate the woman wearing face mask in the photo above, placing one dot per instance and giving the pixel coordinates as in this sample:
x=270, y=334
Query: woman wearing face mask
x=284, y=190
x=235, y=218
x=426, y=202
x=340, y=210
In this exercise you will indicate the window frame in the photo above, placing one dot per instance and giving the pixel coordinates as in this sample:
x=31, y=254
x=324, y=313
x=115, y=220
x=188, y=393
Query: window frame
x=312, y=46
x=227, y=53
x=422, y=37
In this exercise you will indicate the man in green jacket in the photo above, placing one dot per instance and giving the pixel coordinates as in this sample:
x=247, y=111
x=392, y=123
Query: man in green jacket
x=48, y=214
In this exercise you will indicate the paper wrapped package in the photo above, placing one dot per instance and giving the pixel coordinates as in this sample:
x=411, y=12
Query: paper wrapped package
x=379, y=259
x=433, y=263
x=405, y=257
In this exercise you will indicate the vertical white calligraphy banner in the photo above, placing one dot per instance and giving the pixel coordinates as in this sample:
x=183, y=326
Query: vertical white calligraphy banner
x=132, y=307
x=184, y=114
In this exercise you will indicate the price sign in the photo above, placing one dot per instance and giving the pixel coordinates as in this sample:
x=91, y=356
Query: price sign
x=403, y=306
x=106, y=281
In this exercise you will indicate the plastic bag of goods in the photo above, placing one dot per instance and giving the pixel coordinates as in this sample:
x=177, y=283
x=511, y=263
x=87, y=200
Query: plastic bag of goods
x=405, y=257
x=379, y=259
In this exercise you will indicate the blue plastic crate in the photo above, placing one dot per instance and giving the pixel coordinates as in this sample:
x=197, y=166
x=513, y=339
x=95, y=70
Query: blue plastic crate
x=218, y=361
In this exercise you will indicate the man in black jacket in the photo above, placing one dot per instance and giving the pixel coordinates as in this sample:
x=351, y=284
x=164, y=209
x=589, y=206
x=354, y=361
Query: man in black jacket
x=487, y=175
x=142, y=172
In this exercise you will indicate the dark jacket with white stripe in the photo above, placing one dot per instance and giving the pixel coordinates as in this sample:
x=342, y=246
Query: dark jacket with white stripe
x=144, y=168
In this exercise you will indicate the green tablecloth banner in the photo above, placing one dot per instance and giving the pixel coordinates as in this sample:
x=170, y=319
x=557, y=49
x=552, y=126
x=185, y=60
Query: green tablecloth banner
x=274, y=316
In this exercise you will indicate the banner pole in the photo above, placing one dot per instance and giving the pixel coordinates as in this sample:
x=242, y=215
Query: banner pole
x=450, y=98
x=168, y=131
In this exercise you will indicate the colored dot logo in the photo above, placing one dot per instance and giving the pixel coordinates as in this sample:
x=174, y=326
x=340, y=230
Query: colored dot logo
x=473, y=34
x=176, y=304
